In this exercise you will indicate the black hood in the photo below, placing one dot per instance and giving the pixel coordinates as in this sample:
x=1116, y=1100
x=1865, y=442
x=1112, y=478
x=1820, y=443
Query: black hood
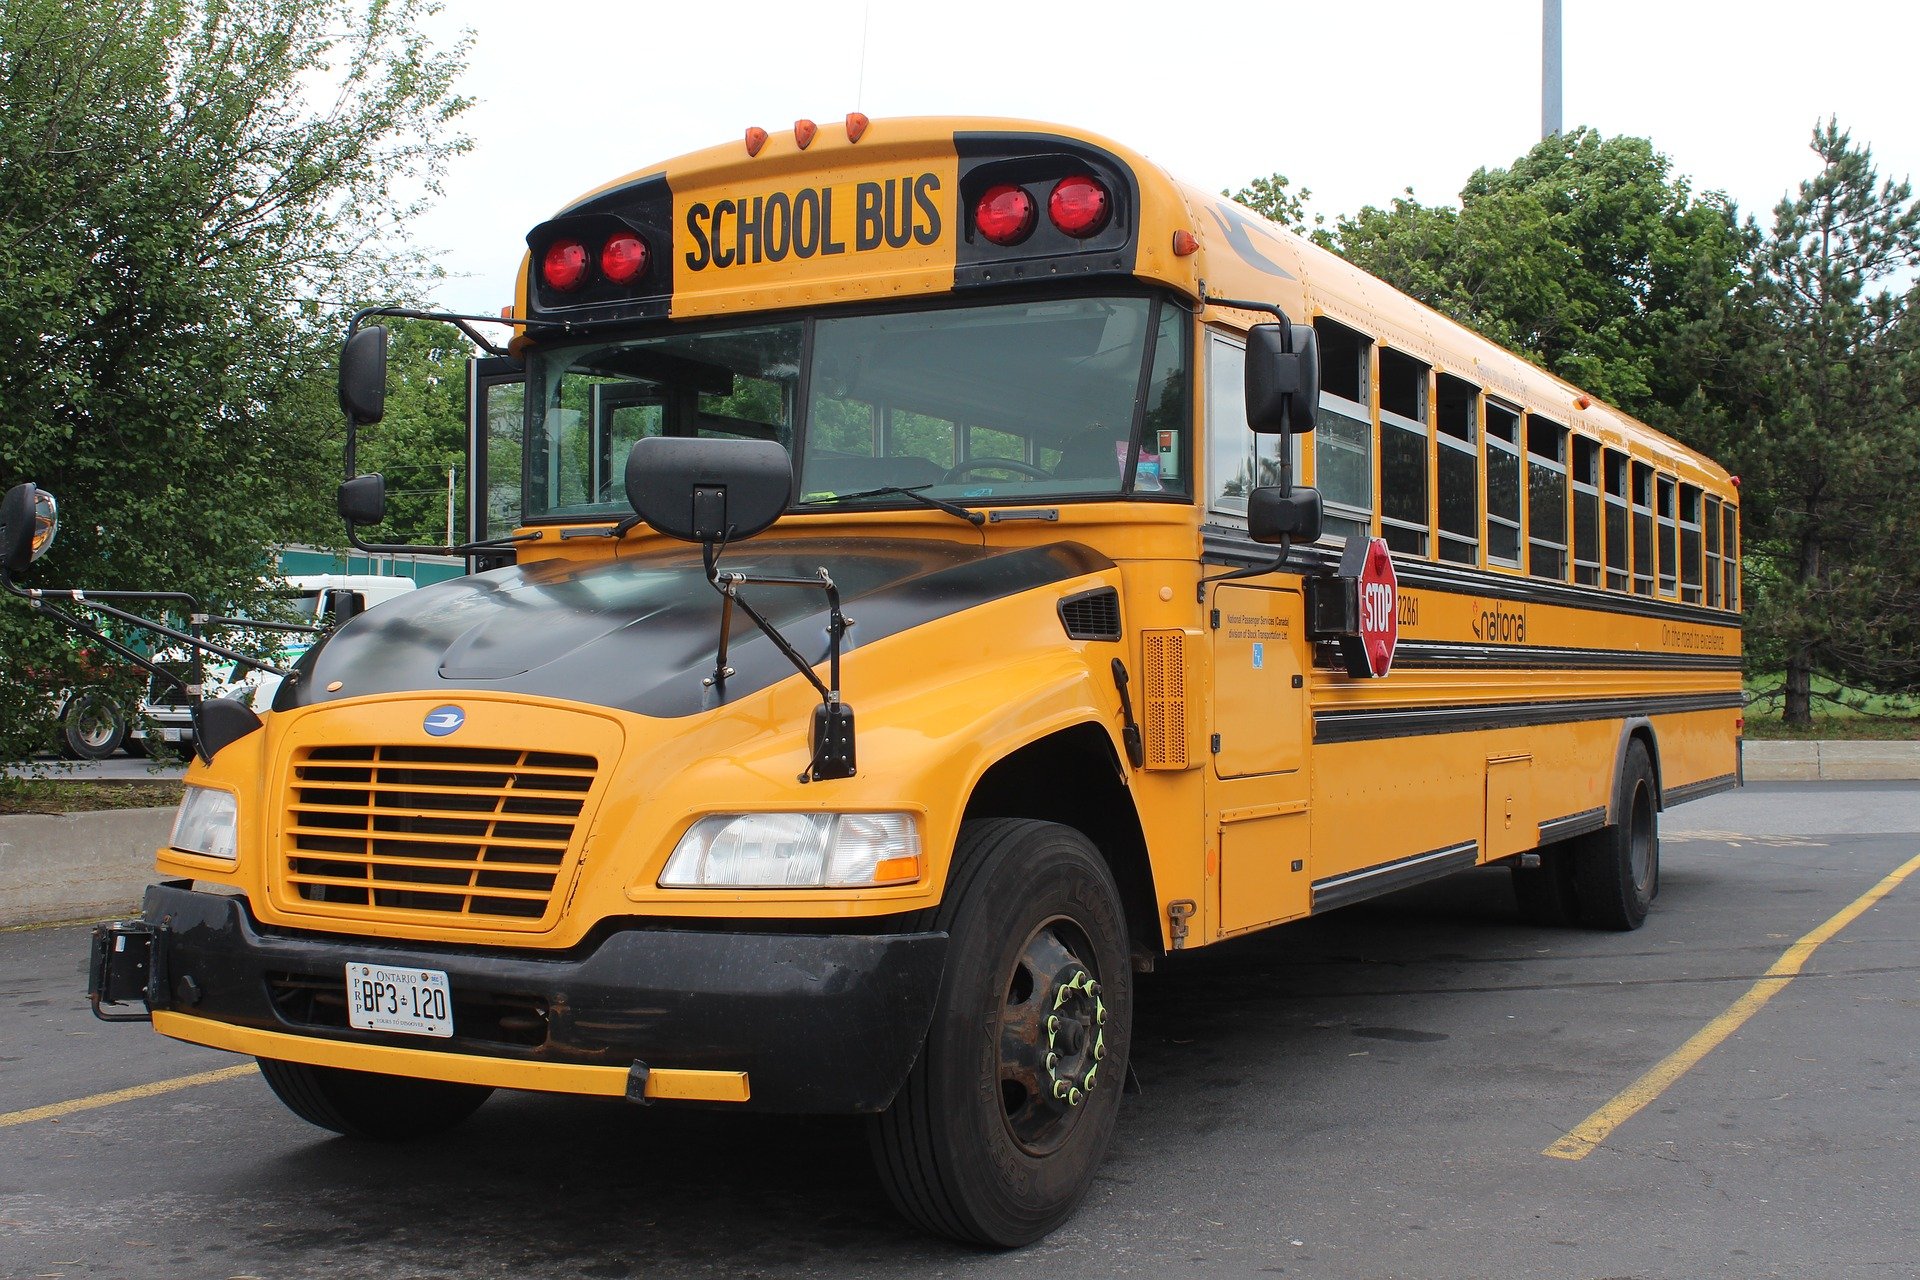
x=639, y=634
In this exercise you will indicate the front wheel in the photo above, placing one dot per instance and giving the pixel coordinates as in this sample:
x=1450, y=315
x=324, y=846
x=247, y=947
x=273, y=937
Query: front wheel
x=998, y=1131
x=361, y=1104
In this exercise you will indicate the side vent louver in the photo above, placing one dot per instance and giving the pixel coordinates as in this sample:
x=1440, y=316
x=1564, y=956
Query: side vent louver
x=1092, y=615
x=1163, y=688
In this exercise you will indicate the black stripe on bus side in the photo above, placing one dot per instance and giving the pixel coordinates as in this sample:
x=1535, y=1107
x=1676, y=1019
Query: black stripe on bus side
x=1426, y=654
x=1574, y=824
x=1671, y=796
x=1233, y=547
x=1407, y=722
x=1353, y=886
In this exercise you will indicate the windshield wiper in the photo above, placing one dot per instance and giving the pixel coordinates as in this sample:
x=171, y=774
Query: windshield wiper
x=894, y=490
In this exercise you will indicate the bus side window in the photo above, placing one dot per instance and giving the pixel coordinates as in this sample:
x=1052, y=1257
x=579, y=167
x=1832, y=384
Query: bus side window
x=1237, y=459
x=1669, y=564
x=1503, y=485
x=1343, y=438
x=1730, y=550
x=1459, y=466
x=1547, y=499
x=1403, y=452
x=1712, y=530
x=919, y=435
x=1615, y=469
x=1690, y=543
x=1642, y=493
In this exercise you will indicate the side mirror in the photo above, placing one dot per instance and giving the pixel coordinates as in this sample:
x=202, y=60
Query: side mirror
x=1273, y=514
x=363, y=376
x=1283, y=378
x=708, y=490
x=363, y=499
x=29, y=522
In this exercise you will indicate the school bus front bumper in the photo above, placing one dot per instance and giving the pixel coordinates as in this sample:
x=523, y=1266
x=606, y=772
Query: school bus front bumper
x=793, y=1022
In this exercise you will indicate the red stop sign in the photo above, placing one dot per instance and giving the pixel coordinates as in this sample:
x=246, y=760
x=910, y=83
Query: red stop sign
x=1379, y=607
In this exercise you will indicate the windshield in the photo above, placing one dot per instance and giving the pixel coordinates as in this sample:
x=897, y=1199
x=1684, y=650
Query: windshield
x=1012, y=402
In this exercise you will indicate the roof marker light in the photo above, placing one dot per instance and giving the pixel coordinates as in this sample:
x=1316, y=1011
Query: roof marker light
x=1005, y=214
x=856, y=125
x=803, y=131
x=756, y=139
x=1184, y=245
x=1079, y=206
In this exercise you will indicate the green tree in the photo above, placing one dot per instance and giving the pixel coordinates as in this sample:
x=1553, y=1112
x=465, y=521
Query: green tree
x=1589, y=257
x=1273, y=198
x=1830, y=453
x=190, y=193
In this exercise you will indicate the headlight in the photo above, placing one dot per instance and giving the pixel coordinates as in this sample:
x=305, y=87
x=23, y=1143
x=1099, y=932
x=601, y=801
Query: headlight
x=208, y=823
x=785, y=850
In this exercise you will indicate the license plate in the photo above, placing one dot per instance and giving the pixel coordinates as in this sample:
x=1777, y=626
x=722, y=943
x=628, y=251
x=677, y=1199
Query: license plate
x=413, y=1001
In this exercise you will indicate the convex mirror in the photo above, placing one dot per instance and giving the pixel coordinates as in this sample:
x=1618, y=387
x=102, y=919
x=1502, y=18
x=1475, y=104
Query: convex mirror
x=1293, y=514
x=363, y=499
x=708, y=490
x=1283, y=378
x=29, y=522
x=363, y=376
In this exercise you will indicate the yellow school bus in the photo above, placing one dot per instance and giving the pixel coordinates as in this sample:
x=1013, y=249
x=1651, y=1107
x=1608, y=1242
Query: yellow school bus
x=957, y=566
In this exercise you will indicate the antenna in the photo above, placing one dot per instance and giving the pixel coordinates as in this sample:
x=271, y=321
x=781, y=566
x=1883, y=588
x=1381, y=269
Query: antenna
x=1549, y=68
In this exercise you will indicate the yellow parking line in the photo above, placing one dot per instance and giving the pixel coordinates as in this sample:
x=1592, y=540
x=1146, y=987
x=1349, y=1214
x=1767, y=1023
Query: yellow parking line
x=55, y=1110
x=1594, y=1130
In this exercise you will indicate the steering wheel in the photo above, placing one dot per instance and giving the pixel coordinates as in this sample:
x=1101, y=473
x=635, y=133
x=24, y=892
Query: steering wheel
x=1008, y=464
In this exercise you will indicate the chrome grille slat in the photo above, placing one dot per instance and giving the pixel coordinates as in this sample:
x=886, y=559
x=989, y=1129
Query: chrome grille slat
x=472, y=836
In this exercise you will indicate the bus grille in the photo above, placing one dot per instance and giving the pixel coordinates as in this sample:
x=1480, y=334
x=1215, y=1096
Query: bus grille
x=473, y=836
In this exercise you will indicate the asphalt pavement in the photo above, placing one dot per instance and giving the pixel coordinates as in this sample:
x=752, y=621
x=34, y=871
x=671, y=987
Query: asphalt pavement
x=1369, y=1094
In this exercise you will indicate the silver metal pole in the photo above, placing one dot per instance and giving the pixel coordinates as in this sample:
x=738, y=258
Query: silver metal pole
x=1549, y=68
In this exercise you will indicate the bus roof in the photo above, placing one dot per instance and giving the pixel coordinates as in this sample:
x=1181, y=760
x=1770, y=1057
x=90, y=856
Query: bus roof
x=872, y=211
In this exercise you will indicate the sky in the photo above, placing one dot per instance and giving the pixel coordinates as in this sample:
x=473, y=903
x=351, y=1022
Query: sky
x=1353, y=101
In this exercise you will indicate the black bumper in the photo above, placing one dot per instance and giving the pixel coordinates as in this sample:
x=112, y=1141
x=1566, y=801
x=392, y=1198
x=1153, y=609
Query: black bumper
x=821, y=1023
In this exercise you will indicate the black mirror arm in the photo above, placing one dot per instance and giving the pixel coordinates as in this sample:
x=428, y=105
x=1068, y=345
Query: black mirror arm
x=38, y=599
x=1243, y=304
x=73, y=623
x=422, y=548
x=464, y=323
x=1250, y=571
x=728, y=585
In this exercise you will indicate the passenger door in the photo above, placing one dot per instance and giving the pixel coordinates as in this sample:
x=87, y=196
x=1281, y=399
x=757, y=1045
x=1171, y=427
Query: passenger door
x=1258, y=786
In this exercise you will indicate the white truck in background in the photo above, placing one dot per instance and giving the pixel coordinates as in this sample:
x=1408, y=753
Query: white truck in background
x=165, y=720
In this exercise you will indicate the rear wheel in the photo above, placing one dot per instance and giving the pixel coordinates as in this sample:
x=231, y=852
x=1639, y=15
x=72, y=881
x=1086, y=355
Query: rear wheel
x=92, y=728
x=996, y=1135
x=361, y=1104
x=1616, y=870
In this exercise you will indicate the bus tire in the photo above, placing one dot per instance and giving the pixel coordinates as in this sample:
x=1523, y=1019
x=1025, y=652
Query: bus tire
x=1617, y=868
x=996, y=1135
x=92, y=728
x=361, y=1104
x=1546, y=893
